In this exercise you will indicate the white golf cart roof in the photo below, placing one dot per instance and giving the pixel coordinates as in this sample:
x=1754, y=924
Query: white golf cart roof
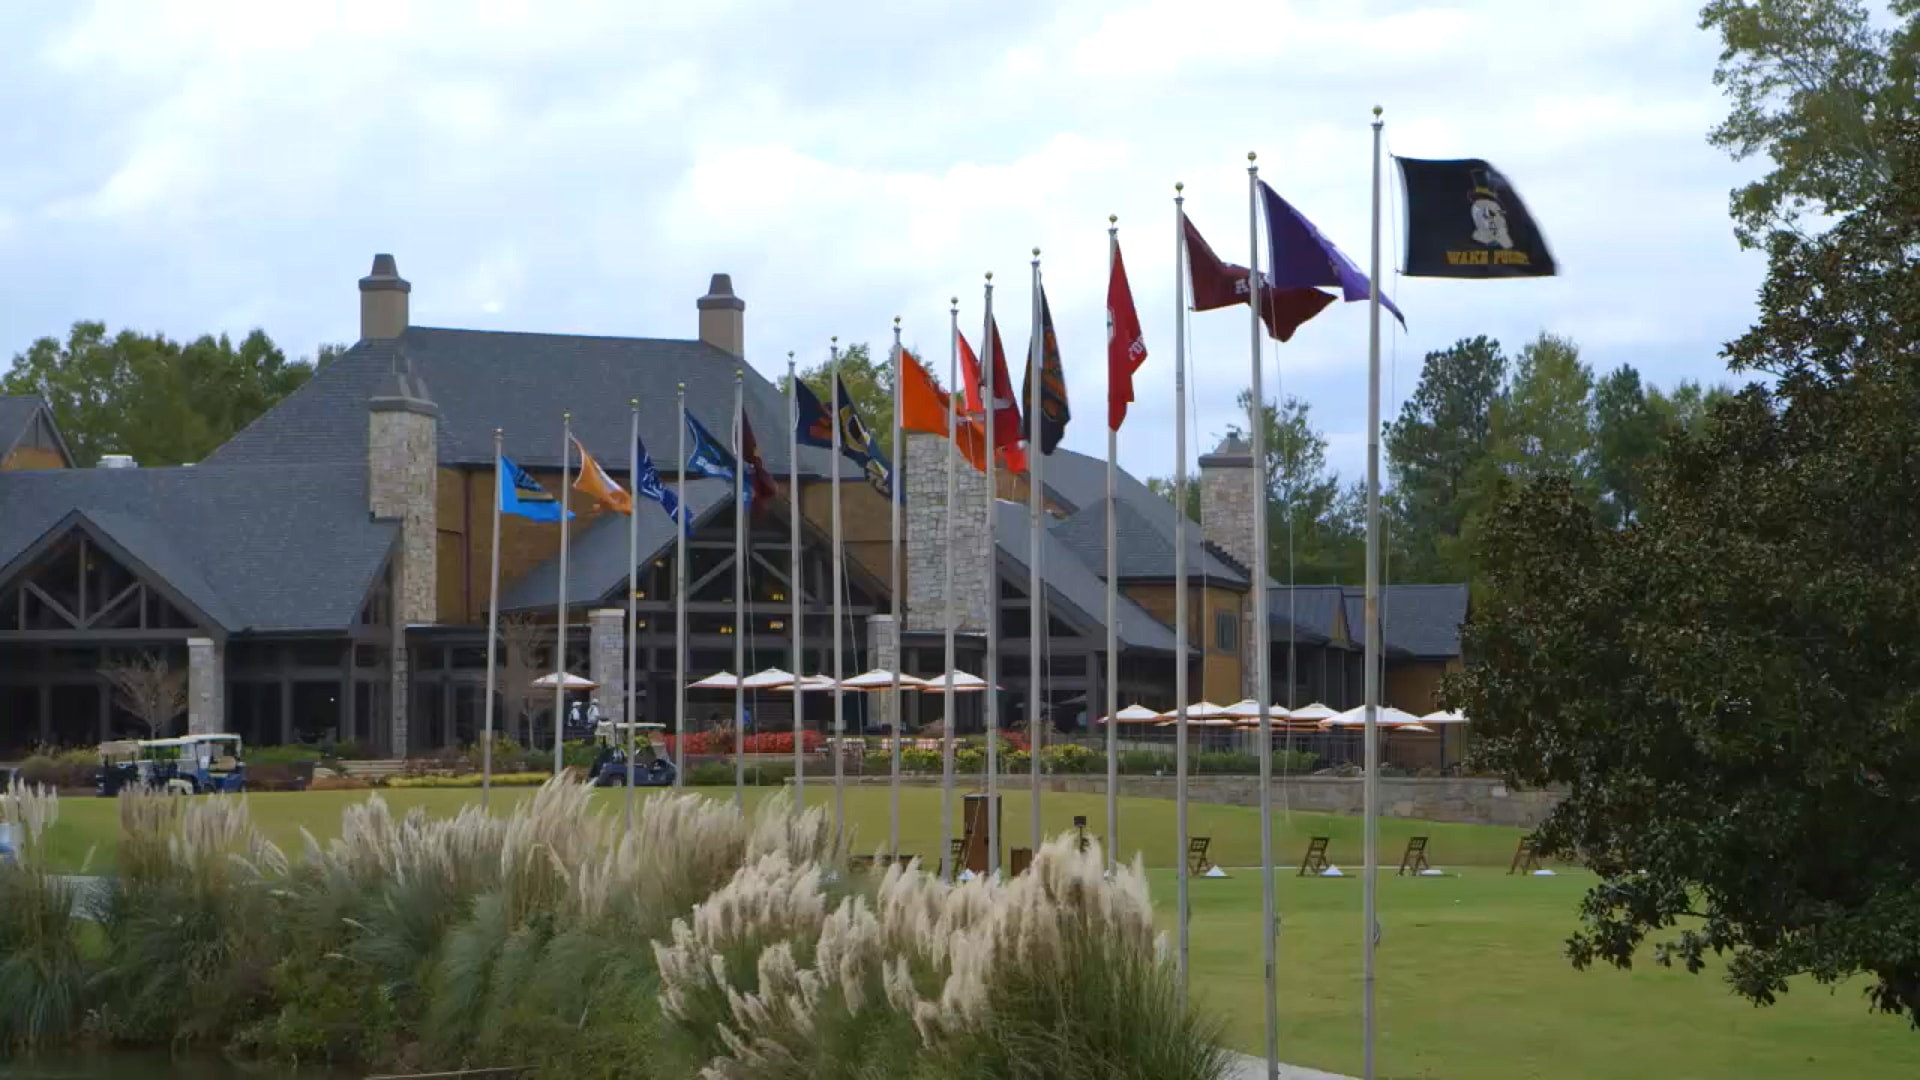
x=189, y=740
x=640, y=725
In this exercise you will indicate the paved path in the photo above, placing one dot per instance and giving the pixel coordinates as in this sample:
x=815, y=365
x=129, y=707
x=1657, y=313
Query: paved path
x=1253, y=1068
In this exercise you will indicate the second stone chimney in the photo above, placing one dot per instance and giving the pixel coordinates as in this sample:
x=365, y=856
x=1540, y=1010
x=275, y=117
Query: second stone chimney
x=723, y=319
x=1229, y=497
x=383, y=301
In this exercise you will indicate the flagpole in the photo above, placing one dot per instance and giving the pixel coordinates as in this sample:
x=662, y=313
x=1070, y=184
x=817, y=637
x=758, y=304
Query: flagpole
x=1263, y=663
x=1181, y=691
x=794, y=585
x=839, y=612
x=989, y=361
x=1113, y=607
x=560, y=647
x=1370, y=785
x=739, y=589
x=948, y=706
x=633, y=572
x=893, y=564
x=680, y=607
x=493, y=629
x=1036, y=346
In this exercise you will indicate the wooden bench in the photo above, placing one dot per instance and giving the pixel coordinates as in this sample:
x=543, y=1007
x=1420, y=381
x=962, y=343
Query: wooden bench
x=1415, y=858
x=1197, y=854
x=1315, y=860
x=1526, y=857
x=1020, y=859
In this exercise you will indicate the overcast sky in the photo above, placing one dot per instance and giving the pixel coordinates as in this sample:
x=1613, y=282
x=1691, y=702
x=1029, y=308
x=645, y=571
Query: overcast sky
x=582, y=166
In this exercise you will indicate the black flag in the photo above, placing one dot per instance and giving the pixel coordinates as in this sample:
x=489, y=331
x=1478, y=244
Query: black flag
x=1054, y=413
x=1464, y=220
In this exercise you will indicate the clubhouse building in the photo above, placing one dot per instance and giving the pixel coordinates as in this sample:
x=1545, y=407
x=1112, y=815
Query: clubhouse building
x=325, y=574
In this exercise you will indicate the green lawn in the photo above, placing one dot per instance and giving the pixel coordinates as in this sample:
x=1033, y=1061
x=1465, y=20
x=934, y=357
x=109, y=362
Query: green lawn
x=1472, y=981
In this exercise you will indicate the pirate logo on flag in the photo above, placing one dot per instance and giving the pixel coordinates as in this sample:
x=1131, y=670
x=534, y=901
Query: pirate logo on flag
x=1464, y=220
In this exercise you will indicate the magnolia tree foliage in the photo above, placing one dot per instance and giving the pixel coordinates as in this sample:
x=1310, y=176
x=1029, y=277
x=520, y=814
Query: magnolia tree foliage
x=1729, y=686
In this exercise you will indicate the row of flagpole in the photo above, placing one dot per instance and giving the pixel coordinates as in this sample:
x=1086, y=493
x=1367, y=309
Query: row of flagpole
x=1444, y=198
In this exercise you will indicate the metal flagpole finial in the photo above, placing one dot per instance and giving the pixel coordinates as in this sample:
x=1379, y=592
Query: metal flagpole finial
x=1179, y=189
x=739, y=374
x=567, y=417
x=834, y=340
x=498, y=432
x=1036, y=254
x=896, y=322
x=1113, y=220
x=683, y=388
x=954, y=301
x=989, y=277
x=634, y=402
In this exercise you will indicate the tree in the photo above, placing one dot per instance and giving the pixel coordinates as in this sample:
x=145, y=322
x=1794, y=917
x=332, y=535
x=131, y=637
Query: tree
x=160, y=401
x=521, y=660
x=1727, y=690
x=1307, y=535
x=145, y=686
x=1817, y=87
x=1543, y=424
x=1437, y=454
x=869, y=383
x=1163, y=487
x=1627, y=431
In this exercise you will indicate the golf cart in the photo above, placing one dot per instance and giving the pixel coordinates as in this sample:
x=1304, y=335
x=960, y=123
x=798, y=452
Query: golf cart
x=610, y=763
x=186, y=765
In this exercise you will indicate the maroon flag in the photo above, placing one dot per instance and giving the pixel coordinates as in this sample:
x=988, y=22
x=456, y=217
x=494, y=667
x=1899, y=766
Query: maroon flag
x=759, y=481
x=1218, y=284
x=1006, y=412
x=1126, y=347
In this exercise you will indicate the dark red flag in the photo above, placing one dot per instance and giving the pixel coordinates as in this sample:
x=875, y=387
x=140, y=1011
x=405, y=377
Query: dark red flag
x=1126, y=348
x=1218, y=284
x=1006, y=411
x=757, y=476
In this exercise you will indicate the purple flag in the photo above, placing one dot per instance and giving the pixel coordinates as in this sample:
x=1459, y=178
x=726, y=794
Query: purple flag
x=1304, y=259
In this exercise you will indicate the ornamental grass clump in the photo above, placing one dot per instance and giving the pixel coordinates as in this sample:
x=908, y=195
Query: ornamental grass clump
x=43, y=974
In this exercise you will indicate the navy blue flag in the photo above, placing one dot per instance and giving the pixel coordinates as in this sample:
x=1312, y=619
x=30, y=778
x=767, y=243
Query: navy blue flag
x=707, y=457
x=858, y=445
x=815, y=425
x=647, y=484
x=1302, y=258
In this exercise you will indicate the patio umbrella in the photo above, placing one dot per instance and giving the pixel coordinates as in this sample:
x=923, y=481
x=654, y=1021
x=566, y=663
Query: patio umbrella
x=963, y=683
x=1134, y=714
x=1203, y=714
x=808, y=684
x=1416, y=728
x=719, y=680
x=1313, y=714
x=1436, y=719
x=879, y=679
x=574, y=682
x=1389, y=717
x=771, y=679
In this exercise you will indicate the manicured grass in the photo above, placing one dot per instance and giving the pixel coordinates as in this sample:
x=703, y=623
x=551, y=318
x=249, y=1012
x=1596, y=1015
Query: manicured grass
x=1472, y=979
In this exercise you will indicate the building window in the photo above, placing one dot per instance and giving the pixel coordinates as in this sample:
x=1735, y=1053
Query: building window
x=1226, y=630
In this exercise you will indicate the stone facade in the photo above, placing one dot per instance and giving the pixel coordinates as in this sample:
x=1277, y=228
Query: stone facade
x=607, y=661
x=723, y=317
x=1229, y=499
x=883, y=646
x=206, y=687
x=928, y=552
x=402, y=470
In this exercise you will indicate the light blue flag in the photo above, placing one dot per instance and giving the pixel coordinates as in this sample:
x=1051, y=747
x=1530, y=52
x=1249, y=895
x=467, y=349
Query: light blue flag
x=522, y=496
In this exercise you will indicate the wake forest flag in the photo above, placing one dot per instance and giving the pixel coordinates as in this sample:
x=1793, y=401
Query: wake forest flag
x=1464, y=220
x=1054, y=413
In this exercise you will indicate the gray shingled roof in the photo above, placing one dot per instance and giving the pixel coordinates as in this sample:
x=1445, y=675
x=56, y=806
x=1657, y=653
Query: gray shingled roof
x=597, y=557
x=16, y=417
x=483, y=380
x=1144, y=552
x=1418, y=620
x=1314, y=609
x=288, y=548
x=1070, y=581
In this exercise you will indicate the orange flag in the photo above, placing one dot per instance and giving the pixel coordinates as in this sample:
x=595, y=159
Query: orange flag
x=595, y=484
x=923, y=407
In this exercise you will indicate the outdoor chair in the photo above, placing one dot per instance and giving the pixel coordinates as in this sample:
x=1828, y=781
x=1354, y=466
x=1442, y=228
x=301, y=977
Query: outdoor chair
x=1525, y=858
x=1197, y=854
x=1415, y=859
x=1316, y=857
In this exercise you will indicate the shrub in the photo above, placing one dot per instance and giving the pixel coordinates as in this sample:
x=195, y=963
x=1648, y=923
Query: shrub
x=338, y=783
x=288, y=754
x=1071, y=758
x=1293, y=762
x=710, y=774
x=61, y=769
x=1223, y=762
x=1145, y=762
x=1015, y=761
x=915, y=760
x=472, y=780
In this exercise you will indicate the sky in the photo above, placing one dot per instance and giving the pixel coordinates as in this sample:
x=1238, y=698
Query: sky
x=583, y=166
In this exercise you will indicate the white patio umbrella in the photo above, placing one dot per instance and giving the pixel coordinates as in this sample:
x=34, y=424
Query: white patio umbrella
x=1314, y=713
x=1203, y=714
x=574, y=682
x=1389, y=717
x=880, y=679
x=808, y=684
x=1443, y=717
x=719, y=680
x=1416, y=728
x=772, y=678
x=1133, y=714
x=963, y=683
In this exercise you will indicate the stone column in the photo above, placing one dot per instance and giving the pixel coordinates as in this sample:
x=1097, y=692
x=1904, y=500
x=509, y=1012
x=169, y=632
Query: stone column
x=883, y=646
x=607, y=661
x=206, y=687
x=927, y=549
x=1229, y=499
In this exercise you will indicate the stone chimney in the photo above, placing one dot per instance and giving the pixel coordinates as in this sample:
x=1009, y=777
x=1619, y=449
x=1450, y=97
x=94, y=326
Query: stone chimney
x=383, y=301
x=928, y=553
x=402, y=472
x=1229, y=497
x=723, y=320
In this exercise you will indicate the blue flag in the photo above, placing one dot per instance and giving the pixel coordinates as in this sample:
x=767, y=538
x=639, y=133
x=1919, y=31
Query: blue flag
x=1303, y=258
x=707, y=457
x=522, y=496
x=815, y=426
x=856, y=443
x=647, y=484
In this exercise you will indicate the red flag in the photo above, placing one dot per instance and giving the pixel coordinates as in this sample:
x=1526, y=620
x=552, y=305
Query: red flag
x=758, y=479
x=970, y=377
x=1006, y=411
x=1126, y=349
x=1218, y=284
